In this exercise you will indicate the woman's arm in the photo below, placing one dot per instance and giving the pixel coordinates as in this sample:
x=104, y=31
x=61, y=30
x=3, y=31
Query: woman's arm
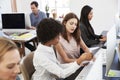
x=87, y=39
x=66, y=59
x=84, y=47
x=86, y=50
x=62, y=53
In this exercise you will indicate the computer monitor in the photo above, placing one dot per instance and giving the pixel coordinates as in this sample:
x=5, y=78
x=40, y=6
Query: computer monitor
x=111, y=45
x=117, y=23
x=27, y=20
x=13, y=21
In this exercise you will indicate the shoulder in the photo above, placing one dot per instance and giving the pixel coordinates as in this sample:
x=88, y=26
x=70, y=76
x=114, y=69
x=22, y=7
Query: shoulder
x=61, y=38
x=41, y=12
x=31, y=14
x=82, y=25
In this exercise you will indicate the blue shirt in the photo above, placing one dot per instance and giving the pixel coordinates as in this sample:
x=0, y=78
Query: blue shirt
x=36, y=19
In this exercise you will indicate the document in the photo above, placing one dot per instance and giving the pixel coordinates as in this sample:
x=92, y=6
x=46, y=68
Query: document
x=24, y=36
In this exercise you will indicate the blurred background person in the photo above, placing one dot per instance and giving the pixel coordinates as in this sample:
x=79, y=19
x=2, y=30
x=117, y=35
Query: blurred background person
x=87, y=32
x=9, y=60
x=36, y=16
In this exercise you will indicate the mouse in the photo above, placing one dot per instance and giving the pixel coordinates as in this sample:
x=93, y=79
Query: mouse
x=104, y=47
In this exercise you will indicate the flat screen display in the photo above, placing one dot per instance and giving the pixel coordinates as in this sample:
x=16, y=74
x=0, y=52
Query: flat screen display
x=13, y=21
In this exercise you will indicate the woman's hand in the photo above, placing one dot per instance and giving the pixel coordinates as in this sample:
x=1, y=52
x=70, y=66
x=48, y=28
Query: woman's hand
x=85, y=57
x=89, y=56
x=103, y=38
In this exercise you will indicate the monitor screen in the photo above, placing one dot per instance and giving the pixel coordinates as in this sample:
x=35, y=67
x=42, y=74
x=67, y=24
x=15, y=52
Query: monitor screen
x=13, y=21
x=111, y=45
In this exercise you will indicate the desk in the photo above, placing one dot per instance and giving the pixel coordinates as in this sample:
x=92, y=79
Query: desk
x=93, y=71
x=23, y=39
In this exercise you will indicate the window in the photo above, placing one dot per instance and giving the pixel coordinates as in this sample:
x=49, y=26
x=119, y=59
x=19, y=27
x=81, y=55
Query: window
x=61, y=7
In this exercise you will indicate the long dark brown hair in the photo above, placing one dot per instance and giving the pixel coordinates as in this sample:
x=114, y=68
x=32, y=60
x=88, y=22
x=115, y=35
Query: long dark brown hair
x=76, y=33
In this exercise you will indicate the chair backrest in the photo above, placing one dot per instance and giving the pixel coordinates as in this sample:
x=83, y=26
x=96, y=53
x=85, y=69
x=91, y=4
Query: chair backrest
x=26, y=66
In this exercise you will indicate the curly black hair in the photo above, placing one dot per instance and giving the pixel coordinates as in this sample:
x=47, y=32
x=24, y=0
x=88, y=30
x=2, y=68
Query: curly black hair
x=48, y=29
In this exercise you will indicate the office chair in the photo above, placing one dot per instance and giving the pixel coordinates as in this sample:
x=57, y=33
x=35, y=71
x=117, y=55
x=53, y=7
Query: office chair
x=26, y=66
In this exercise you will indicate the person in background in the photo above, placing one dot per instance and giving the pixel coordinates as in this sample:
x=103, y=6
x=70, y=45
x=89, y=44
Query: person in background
x=87, y=31
x=45, y=62
x=9, y=60
x=36, y=16
x=70, y=40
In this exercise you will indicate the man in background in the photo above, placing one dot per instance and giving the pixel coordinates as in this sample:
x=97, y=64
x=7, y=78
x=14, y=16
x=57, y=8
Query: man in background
x=36, y=16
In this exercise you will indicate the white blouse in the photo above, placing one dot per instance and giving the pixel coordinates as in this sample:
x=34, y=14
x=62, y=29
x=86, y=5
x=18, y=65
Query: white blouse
x=47, y=66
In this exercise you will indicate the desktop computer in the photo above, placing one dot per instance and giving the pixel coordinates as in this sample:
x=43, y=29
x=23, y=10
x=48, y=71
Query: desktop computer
x=13, y=23
x=27, y=20
x=110, y=53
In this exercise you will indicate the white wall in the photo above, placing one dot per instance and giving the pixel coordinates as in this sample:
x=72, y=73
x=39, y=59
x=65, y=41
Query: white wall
x=24, y=5
x=118, y=7
x=103, y=10
x=5, y=7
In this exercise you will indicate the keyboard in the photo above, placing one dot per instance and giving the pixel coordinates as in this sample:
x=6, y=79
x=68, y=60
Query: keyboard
x=103, y=52
x=93, y=71
x=85, y=71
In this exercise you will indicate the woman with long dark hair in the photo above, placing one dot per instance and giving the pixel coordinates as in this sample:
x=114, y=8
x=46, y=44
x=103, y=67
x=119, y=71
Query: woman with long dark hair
x=87, y=32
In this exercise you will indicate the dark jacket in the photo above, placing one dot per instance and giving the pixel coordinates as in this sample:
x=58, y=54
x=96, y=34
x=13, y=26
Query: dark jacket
x=88, y=35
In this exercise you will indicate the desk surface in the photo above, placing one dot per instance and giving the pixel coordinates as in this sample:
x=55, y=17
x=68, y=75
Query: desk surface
x=24, y=37
x=93, y=71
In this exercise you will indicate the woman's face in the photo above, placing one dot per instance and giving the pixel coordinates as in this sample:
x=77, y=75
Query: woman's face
x=71, y=25
x=9, y=65
x=90, y=15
